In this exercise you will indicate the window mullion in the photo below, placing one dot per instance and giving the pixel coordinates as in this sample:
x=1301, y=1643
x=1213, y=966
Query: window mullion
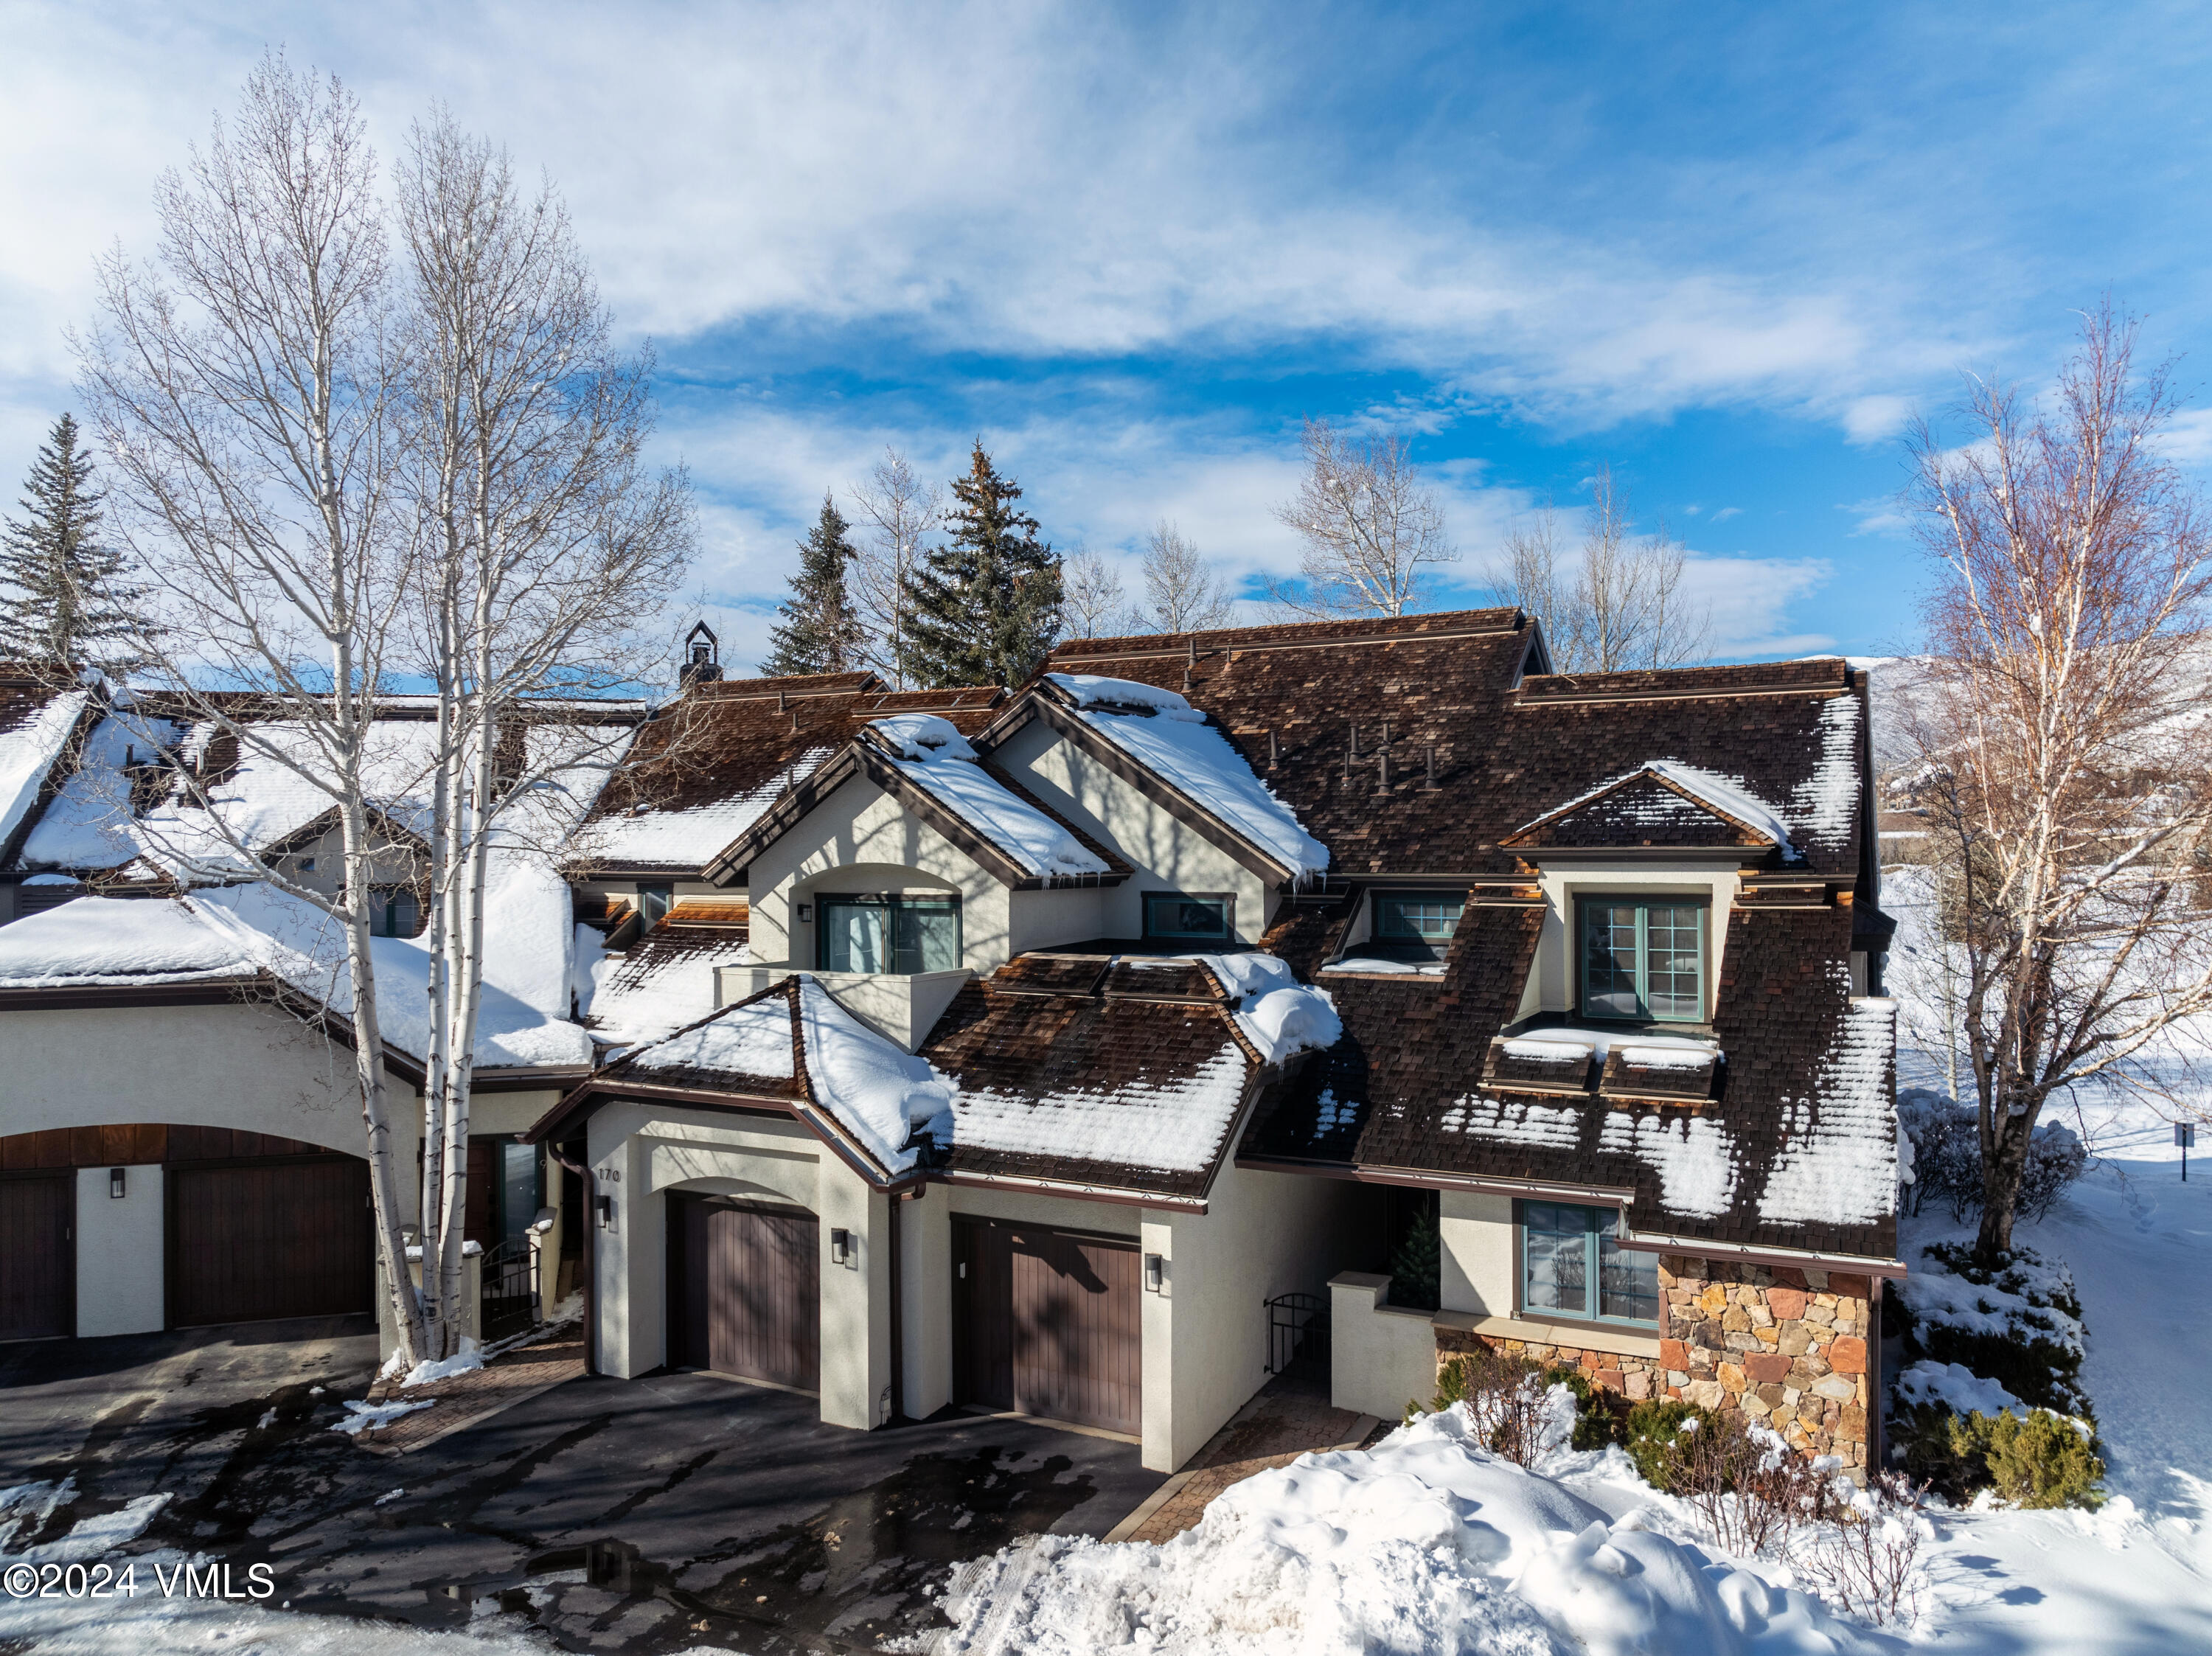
x=1643, y=960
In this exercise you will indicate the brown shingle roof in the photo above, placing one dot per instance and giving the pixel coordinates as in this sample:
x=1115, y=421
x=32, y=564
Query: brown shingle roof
x=1447, y=690
x=740, y=739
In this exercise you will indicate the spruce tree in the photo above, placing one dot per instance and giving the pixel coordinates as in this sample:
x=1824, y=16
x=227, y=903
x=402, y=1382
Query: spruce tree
x=986, y=604
x=62, y=603
x=821, y=632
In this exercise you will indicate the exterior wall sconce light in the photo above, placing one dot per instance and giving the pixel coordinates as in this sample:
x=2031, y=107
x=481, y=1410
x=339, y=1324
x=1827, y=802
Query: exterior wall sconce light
x=1155, y=1273
x=805, y=913
x=116, y=1176
x=607, y=1213
x=840, y=1246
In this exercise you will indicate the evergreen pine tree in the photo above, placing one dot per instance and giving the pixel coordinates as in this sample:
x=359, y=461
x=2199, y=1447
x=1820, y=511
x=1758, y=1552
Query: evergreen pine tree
x=986, y=604
x=821, y=632
x=61, y=600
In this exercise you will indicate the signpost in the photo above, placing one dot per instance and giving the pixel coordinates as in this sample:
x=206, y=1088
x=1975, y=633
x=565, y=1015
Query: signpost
x=2185, y=1134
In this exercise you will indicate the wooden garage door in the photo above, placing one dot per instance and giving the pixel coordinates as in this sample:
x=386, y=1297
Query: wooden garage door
x=745, y=1290
x=1048, y=1322
x=38, y=1256
x=274, y=1239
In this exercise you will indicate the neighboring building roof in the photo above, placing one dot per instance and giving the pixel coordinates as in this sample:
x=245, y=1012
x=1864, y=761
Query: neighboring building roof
x=708, y=766
x=1479, y=749
x=38, y=718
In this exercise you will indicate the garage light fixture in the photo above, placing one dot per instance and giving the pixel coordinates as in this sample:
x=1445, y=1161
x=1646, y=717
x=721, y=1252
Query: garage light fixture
x=116, y=1177
x=1155, y=1270
x=805, y=913
x=840, y=1246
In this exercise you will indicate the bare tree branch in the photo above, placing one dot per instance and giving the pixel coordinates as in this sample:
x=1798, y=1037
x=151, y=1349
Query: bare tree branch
x=1373, y=534
x=901, y=510
x=1182, y=593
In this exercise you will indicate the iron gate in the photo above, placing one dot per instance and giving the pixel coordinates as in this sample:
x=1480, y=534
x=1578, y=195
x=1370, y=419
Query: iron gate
x=508, y=1303
x=1297, y=1336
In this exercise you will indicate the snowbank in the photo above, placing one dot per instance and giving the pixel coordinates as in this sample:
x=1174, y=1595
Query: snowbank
x=1425, y=1543
x=1957, y=1387
x=1177, y=743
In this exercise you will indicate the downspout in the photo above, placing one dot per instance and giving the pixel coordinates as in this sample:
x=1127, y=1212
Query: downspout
x=588, y=1254
x=898, y=1322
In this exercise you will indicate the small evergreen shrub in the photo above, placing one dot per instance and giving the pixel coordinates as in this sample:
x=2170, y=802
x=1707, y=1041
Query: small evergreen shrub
x=1599, y=1419
x=1416, y=1268
x=1653, y=1435
x=2037, y=1356
x=2041, y=1459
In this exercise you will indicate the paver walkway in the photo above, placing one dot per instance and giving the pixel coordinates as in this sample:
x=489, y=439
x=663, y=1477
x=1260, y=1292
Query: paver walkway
x=1274, y=1429
x=521, y=1372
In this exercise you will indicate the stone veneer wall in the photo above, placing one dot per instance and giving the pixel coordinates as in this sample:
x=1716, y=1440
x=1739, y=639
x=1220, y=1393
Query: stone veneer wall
x=1786, y=1347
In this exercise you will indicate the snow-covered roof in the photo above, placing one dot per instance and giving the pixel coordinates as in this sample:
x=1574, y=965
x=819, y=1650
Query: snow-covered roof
x=1837, y=1164
x=690, y=835
x=88, y=824
x=1160, y=730
x=111, y=940
x=936, y=758
x=37, y=725
x=872, y=1088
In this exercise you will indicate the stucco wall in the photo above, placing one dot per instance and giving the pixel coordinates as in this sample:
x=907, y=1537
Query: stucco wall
x=119, y=1280
x=859, y=839
x=640, y=1152
x=1382, y=1356
x=1476, y=1267
x=251, y=1067
x=1262, y=1234
x=1167, y=855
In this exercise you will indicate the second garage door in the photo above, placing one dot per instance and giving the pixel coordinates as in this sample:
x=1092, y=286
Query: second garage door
x=268, y=1239
x=38, y=1258
x=1048, y=1322
x=745, y=1290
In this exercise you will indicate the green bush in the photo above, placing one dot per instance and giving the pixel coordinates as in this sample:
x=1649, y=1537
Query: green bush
x=2036, y=1358
x=1653, y=1430
x=2042, y=1459
x=1598, y=1419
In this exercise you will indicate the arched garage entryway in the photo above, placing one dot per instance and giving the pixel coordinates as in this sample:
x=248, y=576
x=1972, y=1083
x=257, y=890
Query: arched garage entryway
x=745, y=1288
x=204, y=1225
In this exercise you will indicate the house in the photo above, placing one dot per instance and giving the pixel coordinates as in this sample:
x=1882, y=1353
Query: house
x=1082, y=1050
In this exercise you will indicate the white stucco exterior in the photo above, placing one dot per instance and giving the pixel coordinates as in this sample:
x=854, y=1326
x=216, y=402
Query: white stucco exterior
x=119, y=1284
x=1166, y=854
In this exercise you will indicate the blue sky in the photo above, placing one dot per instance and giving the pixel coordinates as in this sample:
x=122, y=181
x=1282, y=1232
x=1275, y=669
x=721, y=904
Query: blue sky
x=1727, y=249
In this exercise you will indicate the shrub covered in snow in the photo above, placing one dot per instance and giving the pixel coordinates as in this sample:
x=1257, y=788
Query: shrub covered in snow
x=1946, y=1158
x=2018, y=1323
x=1654, y=1441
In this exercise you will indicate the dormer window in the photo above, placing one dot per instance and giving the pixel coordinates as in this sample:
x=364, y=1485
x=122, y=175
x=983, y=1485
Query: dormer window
x=1416, y=925
x=653, y=902
x=1195, y=917
x=1643, y=959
